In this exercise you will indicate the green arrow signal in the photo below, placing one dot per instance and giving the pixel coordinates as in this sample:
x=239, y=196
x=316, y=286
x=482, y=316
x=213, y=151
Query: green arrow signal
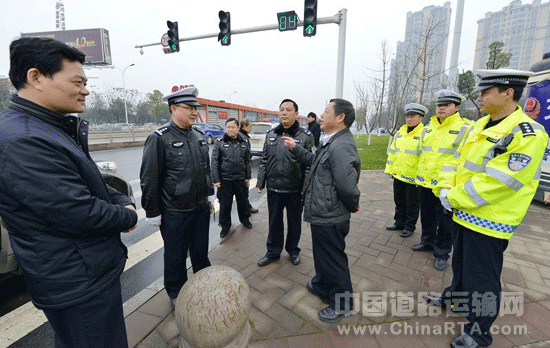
x=225, y=38
x=310, y=29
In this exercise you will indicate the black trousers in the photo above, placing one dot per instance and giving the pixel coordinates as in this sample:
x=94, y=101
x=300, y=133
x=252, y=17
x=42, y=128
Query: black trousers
x=332, y=274
x=436, y=224
x=226, y=192
x=276, y=203
x=183, y=231
x=477, y=267
x=405, y=196
x=96, y=323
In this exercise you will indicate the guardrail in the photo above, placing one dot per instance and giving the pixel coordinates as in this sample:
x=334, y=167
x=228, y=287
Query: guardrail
x=114, y=136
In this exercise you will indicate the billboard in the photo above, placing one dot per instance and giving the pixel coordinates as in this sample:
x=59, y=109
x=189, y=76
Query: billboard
x=94, y=43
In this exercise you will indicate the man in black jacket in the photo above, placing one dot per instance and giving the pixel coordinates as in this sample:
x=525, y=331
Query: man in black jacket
x=314, y=127
x=246, y=127
x=64, y=222
x=176, y=182
x=231, y=174
x=284, y=178
x=331, y=195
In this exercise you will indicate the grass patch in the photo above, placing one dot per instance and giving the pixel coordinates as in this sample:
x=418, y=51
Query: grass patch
x=372, y=156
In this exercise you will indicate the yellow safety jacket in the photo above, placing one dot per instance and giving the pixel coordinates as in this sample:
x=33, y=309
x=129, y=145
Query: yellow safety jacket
x=496, y=174
x=403, y=154
x=439, y=143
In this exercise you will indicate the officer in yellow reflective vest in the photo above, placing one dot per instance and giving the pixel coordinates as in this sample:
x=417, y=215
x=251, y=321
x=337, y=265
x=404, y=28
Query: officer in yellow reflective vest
x=490, y=187
x=401, y=165
x=440, y=139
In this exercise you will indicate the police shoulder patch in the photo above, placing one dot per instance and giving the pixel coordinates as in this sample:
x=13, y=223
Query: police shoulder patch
x=306, y=131
x=526, y=129
x=518, y=161
x=161, y=130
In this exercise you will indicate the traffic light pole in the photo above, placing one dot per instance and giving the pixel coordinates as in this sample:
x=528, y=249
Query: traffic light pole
x=340, y=18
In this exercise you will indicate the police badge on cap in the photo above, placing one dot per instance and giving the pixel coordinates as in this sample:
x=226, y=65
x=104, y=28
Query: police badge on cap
x=501, y=77
x=183, y=94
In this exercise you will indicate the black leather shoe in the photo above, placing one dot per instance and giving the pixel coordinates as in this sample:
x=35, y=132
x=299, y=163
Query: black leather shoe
x=295, y=259
x=329, y=315
x=309, y=288
x=406, y=233
x=224, y=232
x=264, y=261
x=394, y=228
x=253, y=210
x=421, y=247
x=464, y=341
x=440, y=264
x=247, y=224
x=433, y=300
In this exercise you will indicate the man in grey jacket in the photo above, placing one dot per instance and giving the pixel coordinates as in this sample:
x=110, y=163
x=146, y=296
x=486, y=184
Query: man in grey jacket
x=331, y=195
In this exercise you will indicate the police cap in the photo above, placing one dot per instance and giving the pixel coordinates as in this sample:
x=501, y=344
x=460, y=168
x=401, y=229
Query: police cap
x=501, y=77
x=186, y=95
x=446, y=96
x=415, y=108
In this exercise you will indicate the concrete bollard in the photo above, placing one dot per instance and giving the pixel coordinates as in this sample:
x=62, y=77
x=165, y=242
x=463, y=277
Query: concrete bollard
x=212, y=310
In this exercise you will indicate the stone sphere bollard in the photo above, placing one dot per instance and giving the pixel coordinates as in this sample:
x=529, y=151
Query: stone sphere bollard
x=212, y=310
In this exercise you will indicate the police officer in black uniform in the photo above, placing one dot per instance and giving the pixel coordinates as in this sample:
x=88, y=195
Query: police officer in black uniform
x=284, y=177
x=176, y=182
x=231, y=174
x=246, y=127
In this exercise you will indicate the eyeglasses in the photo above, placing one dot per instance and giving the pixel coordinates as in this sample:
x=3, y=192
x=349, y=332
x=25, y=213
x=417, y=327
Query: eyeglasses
x=192, y=108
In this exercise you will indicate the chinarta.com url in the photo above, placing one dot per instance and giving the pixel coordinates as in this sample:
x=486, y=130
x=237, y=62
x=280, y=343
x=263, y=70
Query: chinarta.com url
x=405, y=328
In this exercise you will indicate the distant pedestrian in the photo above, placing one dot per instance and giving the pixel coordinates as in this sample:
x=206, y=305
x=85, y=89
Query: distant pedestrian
x=64, y=221
x=231, y=174
x=401, y=165
x=330, y=196
x=284, y=178
x=246, y=128
x=176, y=182
x=313, y=127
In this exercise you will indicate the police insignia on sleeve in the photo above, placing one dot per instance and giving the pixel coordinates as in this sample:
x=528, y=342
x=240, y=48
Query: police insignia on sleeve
x=518, y=161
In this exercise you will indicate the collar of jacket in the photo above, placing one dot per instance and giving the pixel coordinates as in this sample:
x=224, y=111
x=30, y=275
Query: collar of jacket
x=244, y=133
x=67, y=123
x=292, y=130
x=451, y=119
x=504, y=127
x=415, y=132
x=336, y=135
x=227, y=138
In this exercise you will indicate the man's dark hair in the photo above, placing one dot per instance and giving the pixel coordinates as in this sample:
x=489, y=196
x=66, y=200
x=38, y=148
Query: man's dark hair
x=292, y=101
x=44, y=54
x=232, y=119
x=312, y=114
x=342, y=106
x=245, y=122
x=518, y=91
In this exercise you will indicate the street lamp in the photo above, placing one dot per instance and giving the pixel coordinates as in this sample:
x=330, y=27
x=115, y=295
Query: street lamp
x=124, y=89
x=230, y=94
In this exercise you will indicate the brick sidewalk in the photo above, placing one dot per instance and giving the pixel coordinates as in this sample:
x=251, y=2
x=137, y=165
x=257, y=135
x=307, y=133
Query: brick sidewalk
x=284, y=314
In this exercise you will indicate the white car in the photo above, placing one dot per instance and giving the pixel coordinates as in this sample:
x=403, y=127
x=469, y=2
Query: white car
x=257, y=137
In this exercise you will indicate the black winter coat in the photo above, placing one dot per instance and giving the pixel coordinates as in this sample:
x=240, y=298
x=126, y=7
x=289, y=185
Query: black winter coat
x=175, y=171
x=330, y=191
x=279, y=170
x=231, y=159
x=64, y=222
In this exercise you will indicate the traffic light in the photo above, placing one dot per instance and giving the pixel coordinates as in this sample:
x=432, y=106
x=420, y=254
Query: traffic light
x=225, y=28
x=173, y=36
x=310, y=17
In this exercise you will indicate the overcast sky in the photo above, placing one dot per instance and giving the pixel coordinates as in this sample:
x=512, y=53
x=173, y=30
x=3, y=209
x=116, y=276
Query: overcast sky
x=263, y=68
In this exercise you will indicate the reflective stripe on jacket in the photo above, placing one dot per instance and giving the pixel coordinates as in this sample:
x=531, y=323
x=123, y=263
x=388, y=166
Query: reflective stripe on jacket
x=438, y=144
x=497, y=174
x=403, y=154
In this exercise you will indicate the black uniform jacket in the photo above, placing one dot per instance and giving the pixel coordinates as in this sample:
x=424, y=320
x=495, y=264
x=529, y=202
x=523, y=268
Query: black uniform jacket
x=64, y=222
x=231, y=159
x=175, y=171
x=279, y=170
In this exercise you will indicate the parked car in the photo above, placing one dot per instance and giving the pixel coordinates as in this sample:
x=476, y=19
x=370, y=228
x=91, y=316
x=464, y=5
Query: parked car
x=123, y=126
x=211, y=131
x=8, y=263
x=257, y=136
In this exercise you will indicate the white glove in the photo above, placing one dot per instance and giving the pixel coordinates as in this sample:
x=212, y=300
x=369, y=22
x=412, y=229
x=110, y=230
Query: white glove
x=154, y=221
x=443, y=198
